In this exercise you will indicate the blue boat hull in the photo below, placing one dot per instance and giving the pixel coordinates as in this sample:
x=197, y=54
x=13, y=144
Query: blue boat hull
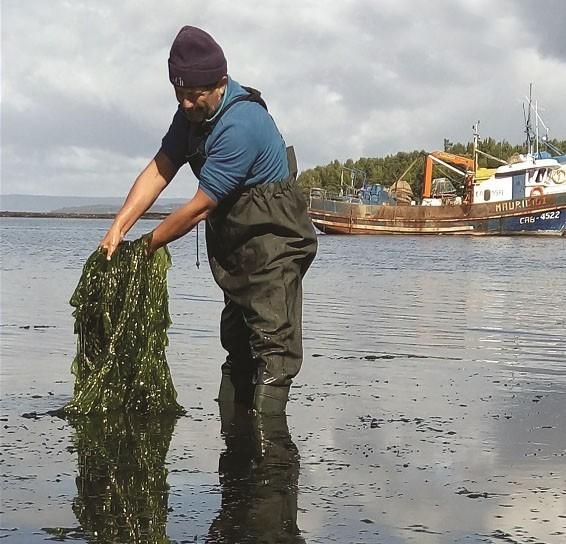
x=552, y=222
x=540, y=215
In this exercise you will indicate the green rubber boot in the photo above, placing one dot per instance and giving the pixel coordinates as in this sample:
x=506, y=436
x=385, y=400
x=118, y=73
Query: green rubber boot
x=271, y=400
x=227, y=391
x=236, y=389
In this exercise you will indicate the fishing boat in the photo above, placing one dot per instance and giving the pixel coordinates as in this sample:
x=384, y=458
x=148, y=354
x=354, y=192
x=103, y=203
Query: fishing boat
x=525, y=195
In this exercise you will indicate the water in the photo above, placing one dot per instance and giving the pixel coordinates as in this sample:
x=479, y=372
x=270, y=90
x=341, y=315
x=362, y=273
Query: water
x=430, y=408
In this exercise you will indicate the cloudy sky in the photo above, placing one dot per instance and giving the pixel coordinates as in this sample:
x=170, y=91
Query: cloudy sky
x=86, y=98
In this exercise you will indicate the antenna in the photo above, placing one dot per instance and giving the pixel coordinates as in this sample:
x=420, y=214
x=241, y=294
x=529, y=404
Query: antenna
x=528, y=120
x=476, y=128
x=539, y=119
x=536, y=125
x=525, y=122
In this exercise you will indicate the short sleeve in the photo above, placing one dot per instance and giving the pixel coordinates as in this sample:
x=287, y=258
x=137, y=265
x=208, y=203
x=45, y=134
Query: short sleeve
x=232, y=151
x=175, y=143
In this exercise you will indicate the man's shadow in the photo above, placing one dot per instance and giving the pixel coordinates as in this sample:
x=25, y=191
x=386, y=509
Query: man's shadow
x=259, y=473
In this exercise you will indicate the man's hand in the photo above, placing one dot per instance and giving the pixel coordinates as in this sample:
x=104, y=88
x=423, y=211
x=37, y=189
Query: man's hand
x=149, y=184
x=150, y=249
x=111, y=240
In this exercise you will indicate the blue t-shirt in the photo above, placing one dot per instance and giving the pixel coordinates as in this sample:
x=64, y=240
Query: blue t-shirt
x=244, y=149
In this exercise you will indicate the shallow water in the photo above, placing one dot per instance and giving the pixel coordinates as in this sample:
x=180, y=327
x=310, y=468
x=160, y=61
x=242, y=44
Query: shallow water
x=430, y=408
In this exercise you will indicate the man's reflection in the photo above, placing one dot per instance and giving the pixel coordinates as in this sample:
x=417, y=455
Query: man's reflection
x=122, y=490
x=259, y=472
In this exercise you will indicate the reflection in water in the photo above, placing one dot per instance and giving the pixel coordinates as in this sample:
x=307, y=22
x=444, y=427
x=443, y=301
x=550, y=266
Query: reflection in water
x=259, y=472
x=432, y=366
x=122, y=490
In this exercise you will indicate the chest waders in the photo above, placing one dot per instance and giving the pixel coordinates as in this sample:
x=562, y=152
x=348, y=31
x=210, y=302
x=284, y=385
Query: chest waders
x=260, y=243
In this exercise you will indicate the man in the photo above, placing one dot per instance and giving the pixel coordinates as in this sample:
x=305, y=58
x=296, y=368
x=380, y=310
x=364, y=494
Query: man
x=260, y=240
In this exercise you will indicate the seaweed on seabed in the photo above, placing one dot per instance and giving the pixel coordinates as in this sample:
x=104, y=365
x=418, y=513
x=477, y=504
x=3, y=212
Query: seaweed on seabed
x=121, y=321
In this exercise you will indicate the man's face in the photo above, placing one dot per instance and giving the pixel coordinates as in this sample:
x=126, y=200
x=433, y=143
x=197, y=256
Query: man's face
x=200, y=103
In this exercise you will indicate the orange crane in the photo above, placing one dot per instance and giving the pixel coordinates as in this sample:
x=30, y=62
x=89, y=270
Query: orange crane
x=445, y=159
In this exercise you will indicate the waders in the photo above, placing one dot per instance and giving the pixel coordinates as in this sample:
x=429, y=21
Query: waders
x=260, y=244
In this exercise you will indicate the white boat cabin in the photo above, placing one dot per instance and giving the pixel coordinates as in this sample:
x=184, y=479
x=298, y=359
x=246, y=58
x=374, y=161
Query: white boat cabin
x=527, y=177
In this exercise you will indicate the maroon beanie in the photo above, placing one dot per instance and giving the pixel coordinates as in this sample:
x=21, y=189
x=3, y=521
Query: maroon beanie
x=195, y=60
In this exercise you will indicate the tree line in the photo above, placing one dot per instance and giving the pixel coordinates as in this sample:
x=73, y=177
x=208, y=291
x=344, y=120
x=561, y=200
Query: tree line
x=386, y=170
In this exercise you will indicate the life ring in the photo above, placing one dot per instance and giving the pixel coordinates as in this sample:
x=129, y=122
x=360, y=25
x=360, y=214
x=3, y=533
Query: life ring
x=537, y=191
x=559, y=175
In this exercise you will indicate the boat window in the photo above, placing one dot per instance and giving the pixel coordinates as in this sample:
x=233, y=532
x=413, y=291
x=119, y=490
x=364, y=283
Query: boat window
x=486, y=195
x=540, y=175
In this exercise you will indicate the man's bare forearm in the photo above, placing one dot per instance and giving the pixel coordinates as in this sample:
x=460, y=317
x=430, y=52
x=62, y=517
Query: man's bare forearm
x=147, y=187
x=182, y=221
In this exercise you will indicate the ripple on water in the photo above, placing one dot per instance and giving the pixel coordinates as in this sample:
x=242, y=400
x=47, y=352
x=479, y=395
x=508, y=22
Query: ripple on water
x=432, y=367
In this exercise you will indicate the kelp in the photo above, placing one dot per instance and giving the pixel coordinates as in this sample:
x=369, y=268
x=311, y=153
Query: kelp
x=121, y=321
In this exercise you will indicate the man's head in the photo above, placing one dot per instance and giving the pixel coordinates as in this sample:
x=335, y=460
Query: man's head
x=198, y=70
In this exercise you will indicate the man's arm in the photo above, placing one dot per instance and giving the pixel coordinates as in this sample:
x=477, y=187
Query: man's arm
x=182, y=220
x=147, y=187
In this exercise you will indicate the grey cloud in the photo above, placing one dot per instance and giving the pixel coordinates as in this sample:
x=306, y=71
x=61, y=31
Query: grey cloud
x=355, y=78
x=545, y=23
x=52, y=123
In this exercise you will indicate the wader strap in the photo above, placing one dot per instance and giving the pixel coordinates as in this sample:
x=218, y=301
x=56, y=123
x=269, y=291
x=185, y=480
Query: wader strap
x=200, y=131
x=253, y=96
x=292, y=161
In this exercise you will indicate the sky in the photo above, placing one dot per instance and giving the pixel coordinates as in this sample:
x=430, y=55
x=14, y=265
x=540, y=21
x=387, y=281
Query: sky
x=86, y=97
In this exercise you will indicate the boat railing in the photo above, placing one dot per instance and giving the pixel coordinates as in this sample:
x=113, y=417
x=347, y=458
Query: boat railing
x=347, y=194
x=317, y=193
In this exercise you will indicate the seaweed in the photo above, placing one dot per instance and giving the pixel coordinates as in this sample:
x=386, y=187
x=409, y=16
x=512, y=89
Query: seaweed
x=122, y=490
x=121, y=321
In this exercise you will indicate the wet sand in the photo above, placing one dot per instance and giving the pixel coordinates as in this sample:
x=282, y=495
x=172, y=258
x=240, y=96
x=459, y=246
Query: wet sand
x=430, y=408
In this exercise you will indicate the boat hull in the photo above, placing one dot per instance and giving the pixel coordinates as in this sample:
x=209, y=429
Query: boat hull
x=541, y=215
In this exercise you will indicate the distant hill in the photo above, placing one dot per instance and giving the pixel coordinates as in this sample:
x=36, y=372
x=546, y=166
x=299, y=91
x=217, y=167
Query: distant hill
x=76, y=204
x=113, y=208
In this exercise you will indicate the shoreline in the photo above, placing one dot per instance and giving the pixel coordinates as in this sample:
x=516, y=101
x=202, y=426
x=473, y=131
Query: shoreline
x=62, y=215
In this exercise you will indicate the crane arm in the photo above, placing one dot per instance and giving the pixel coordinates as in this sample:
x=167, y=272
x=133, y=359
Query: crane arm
x=450, y=158
x=446, y=159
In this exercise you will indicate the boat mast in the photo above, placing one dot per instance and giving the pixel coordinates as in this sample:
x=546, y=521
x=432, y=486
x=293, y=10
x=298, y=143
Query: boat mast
x=528, y=121
x=539, y=120
x=536, y=125
x=476, y=129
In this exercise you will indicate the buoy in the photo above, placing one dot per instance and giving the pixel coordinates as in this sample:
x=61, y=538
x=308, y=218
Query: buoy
x=559, y=175
x=537, y=191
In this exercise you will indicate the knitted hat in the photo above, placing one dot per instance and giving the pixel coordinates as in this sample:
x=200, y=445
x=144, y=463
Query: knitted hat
x=195, y=60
